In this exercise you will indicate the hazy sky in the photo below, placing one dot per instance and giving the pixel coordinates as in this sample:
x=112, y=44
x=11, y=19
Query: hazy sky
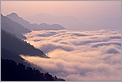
x=88, y=11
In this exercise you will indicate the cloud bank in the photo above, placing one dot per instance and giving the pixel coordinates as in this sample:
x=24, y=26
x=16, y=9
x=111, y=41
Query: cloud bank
x=78, y=55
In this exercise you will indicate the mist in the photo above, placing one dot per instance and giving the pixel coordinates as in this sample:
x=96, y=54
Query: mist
x=95, y=55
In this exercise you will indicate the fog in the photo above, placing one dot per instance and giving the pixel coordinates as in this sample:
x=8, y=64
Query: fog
x=78, y=55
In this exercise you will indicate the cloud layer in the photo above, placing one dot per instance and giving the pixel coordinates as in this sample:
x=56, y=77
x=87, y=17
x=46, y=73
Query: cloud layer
x=78, y=55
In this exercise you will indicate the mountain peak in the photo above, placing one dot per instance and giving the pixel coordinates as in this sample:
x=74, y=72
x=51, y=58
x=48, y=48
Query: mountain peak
x=13, y=15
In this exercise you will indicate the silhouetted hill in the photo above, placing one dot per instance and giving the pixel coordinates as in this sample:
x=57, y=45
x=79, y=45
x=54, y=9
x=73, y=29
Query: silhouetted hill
x=69, y=22
x=7, y=54
x=13, y=27
x=43, y=26
x=12, y=43
x=77, y=23
x=11, y=47
x=10, y=71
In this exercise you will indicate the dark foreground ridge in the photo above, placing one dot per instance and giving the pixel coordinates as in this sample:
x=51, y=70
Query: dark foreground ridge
x=13, y=67
x=10, y=71
x=12, y=43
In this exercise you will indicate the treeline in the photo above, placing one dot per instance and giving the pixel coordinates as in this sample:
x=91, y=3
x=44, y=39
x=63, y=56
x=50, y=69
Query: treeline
x=10, y=71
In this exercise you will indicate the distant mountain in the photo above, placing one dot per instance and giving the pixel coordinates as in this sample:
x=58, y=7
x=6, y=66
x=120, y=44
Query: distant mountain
x=43, y=26
x=12, y=43
x=13, y=27
x=109, y=23
x=69, y=22
x=74, y=23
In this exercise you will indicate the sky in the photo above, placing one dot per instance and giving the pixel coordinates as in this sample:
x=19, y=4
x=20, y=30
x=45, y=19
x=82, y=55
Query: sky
x=87, y=11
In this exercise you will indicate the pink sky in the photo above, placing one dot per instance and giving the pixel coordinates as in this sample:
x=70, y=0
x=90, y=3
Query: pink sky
x=89, y=12
x=66, y=8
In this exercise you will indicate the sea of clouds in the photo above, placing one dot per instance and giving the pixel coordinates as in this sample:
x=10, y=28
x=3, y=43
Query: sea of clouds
x=78, y=55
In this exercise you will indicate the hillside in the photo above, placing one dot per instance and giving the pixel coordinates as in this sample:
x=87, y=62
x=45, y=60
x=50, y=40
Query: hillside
x=12, y=43
x=10, y=71
x=13, y=27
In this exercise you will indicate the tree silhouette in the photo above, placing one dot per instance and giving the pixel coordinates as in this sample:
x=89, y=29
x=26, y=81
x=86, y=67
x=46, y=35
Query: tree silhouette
x=10, y=71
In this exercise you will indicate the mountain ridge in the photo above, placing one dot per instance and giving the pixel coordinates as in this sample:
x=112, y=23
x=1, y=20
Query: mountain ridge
x=34, y=26
x=69, y=22
x=11, y=42
x=77, y=23
x=13, y=27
